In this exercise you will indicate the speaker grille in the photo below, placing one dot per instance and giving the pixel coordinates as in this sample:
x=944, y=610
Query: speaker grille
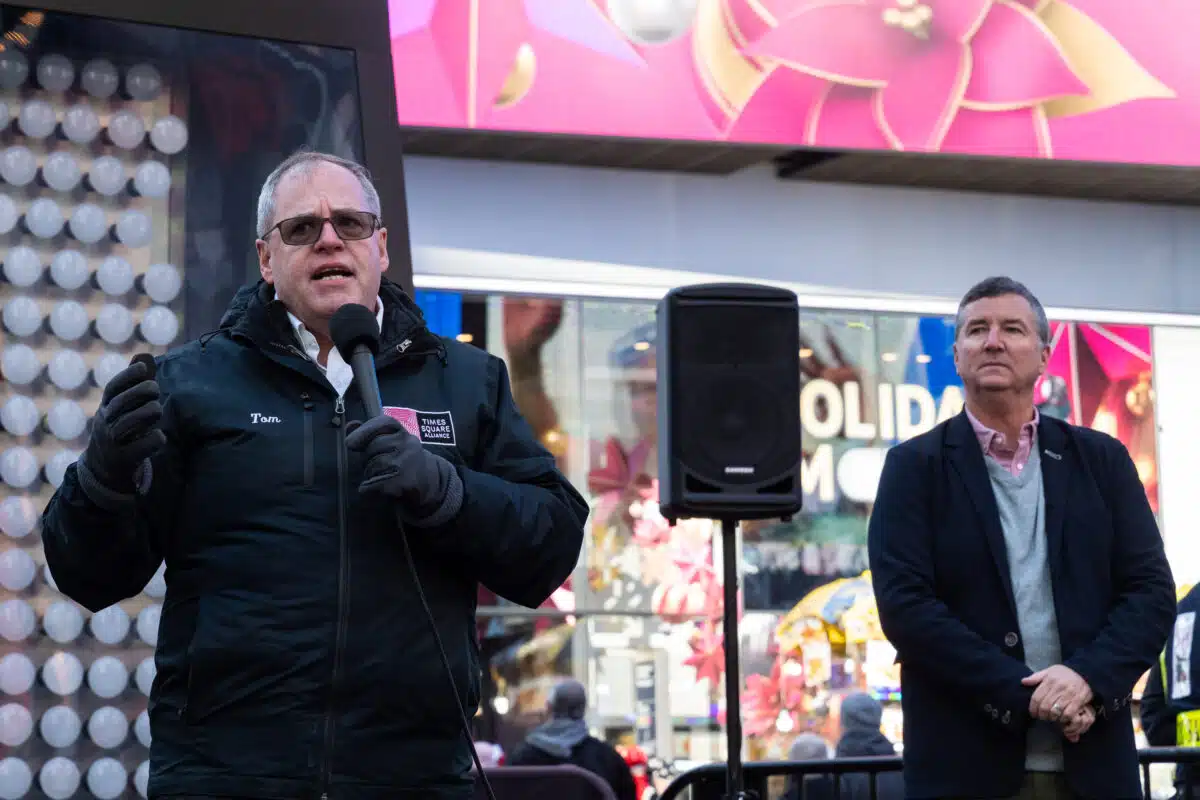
x=737, y=368
x=735, y=333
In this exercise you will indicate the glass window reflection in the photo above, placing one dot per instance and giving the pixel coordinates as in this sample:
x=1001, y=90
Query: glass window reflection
x=636, y=562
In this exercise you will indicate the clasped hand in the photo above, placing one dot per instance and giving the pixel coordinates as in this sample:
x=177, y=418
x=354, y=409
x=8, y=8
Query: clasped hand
x=1062, y=696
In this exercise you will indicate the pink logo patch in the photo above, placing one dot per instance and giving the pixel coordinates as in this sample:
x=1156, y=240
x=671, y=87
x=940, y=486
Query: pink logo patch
x=431, y=427
x=406, y=417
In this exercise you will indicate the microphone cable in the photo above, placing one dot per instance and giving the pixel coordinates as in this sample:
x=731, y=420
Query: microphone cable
x=462, y=712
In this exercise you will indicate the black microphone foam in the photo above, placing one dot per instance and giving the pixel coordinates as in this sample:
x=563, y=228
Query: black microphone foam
x=354, y=325
x=148, y=360
x=355, y=334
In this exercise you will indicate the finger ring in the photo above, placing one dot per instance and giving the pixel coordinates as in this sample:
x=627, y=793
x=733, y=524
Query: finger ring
x=1056, y=708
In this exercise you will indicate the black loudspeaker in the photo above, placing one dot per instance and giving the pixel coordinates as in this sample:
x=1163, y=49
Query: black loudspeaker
x=729, y=402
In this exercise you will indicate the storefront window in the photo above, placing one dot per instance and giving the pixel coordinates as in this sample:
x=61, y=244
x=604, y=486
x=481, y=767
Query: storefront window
x=539, y=340
x=839, y=422
x=665, y=579
x=583, y=374
x=1101, y=376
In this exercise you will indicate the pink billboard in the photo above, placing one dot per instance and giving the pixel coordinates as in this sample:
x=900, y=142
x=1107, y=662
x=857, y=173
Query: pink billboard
x=1093, y=80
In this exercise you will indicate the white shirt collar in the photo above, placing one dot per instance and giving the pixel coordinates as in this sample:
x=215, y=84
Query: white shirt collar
x=337, y=371
x=301, y=330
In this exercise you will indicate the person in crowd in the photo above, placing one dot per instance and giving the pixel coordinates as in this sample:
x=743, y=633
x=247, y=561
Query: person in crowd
x=490, y=754
x=861, y=717
x=318, y=632
x=808, y=746
x=642, y=768
x=1020, y=575
x=1170, y=710
x=564, y=739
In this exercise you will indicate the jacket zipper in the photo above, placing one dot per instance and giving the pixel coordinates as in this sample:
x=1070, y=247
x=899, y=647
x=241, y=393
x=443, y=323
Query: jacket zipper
x=396, y=354
x=309, y=466
x=400, y=351
x=343, y=581
x=290, y=348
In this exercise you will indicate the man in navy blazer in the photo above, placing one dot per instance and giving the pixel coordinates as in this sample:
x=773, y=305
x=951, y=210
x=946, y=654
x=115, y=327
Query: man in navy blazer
x=1021, y=577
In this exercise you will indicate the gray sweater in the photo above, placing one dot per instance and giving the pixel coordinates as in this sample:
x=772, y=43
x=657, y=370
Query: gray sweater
x=1022, y=506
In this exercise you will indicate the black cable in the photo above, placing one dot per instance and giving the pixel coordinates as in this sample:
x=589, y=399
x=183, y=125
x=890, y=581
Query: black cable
x=462, y=713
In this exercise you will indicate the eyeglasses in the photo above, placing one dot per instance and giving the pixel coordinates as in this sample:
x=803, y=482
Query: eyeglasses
x=306, y=229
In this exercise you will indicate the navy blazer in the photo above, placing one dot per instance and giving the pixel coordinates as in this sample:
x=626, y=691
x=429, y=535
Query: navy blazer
x=940, y=572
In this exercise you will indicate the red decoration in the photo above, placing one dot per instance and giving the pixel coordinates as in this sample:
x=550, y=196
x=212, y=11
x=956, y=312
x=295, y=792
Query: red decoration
x=761, y=703
x=614, y=482
x=708, y=653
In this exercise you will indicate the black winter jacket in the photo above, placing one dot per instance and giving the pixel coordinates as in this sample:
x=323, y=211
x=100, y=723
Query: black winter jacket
x=294, y=658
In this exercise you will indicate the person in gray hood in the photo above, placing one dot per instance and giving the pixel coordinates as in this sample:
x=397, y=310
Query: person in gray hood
x=564, y=739
x=861, y=736
x=809, y=747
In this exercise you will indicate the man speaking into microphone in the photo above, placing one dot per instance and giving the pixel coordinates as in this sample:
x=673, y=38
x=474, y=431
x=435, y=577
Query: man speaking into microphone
x=318, y=632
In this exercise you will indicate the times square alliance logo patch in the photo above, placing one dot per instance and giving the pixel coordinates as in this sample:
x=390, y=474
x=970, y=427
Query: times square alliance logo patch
x=430, y=427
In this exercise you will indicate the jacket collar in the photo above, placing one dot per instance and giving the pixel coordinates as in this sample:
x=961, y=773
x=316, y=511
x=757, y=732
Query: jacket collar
x=256, y=314
x=1051, y=434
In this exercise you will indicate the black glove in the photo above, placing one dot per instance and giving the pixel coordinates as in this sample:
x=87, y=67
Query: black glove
x=125, y=433
x=427, y=485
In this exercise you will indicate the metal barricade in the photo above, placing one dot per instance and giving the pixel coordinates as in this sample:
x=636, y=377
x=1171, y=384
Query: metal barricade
x=708, y=782
x=561, y=782
x=1177, y=756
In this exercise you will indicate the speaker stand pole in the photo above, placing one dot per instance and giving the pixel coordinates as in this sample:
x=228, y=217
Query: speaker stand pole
x=735, y=788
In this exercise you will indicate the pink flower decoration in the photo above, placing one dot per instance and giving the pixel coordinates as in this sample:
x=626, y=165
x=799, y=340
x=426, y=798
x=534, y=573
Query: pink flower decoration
x=1018, y=63
x=714, y=600
x=678, y=600
x=651, y=531
x=613, y=473
x=708, y=654
x=761, y=703
x=606, y=504
x=464, y=50
x=613, y=481
x=697, y=589
x=675, y=63
x=777, y=112
x=791, y=686
x=922, y=59
x=1020, y=133
x=845, y=114
x=694, y=564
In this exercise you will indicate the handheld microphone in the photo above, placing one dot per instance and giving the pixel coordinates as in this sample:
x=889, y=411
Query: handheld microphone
x=355, y=333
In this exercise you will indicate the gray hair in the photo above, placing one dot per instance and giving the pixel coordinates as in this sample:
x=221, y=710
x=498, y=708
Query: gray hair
x=307, y=160
x=998, y=287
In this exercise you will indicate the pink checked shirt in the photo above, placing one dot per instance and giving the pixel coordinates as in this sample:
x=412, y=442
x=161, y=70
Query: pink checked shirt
x=1012, y=458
